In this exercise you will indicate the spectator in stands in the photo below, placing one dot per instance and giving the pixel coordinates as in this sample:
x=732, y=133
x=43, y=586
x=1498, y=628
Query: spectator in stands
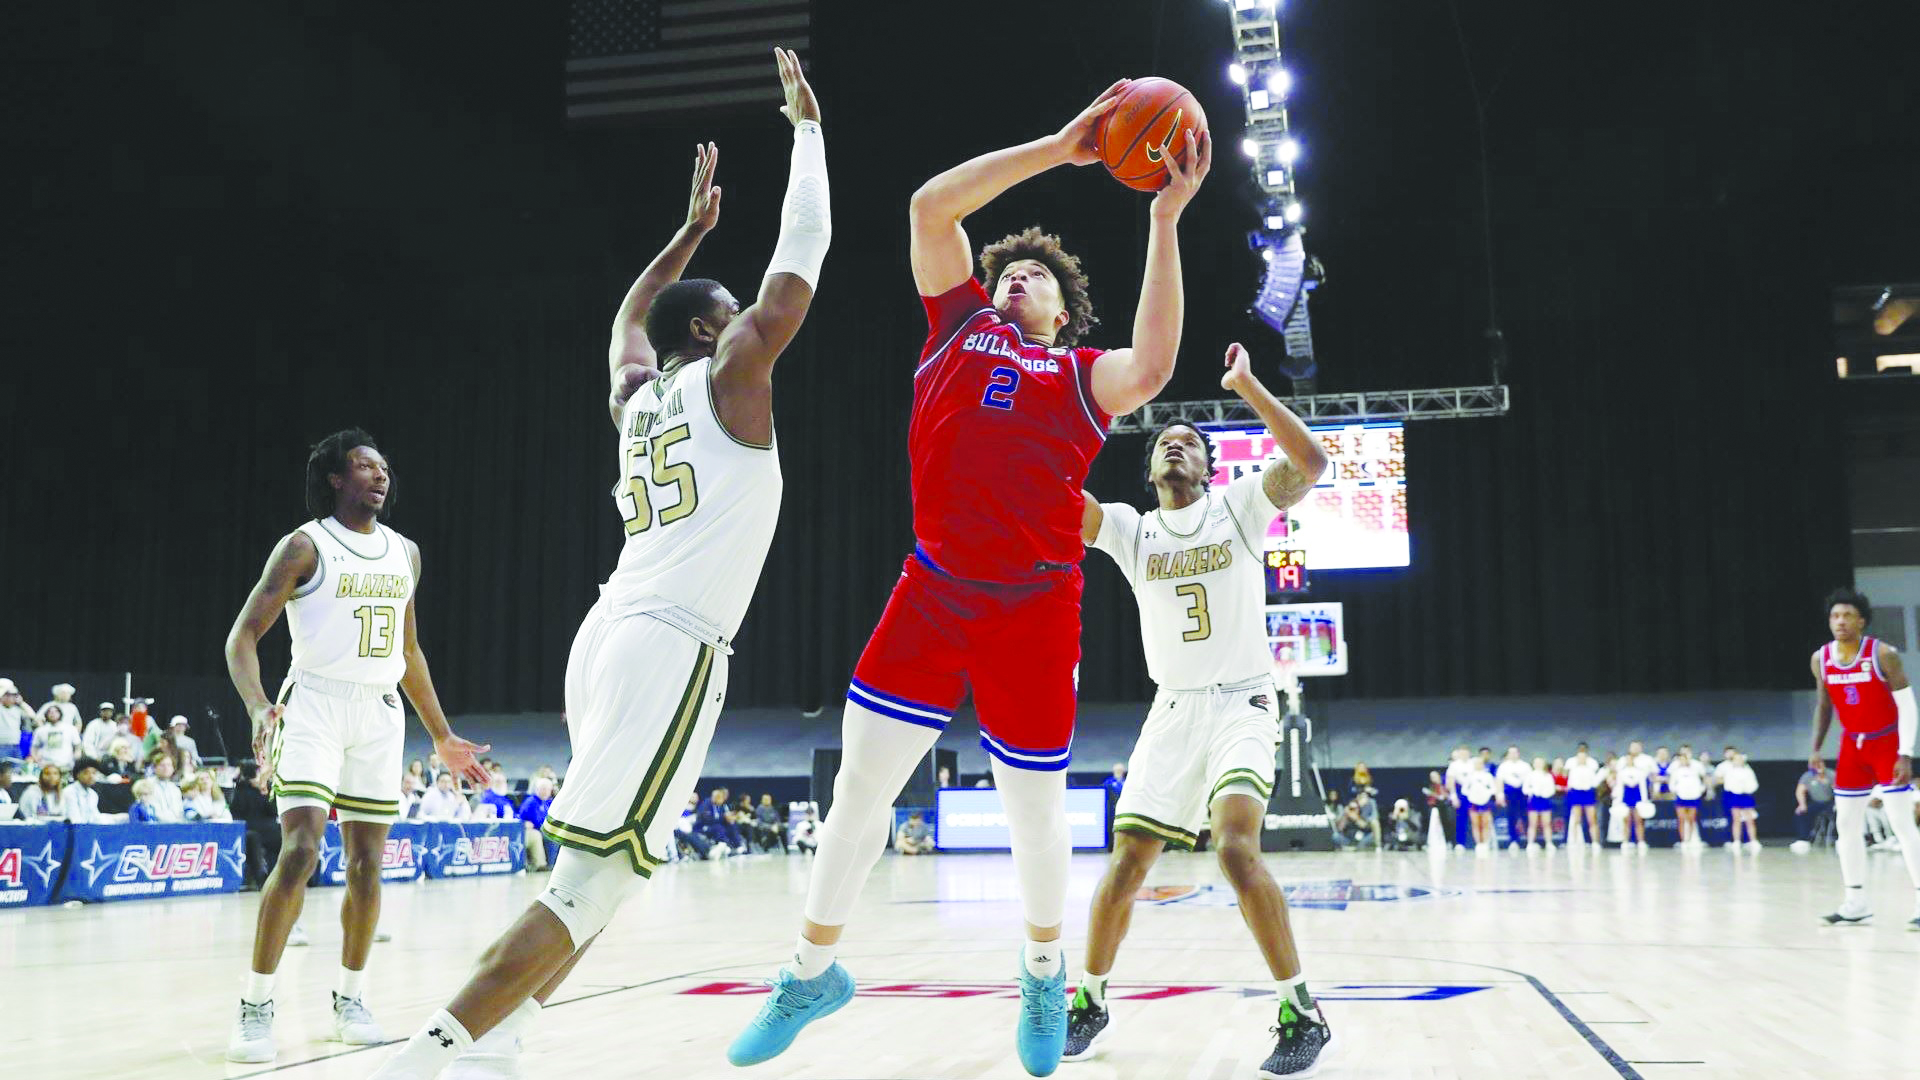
x=1116, y=782
x=1363, y=780
x=409, y=798
x=83, y=803
x=913, y=838
x=6, y=781
x=943, y=778
x=57, y=740
x=768, y=828
x=687, y=831
x=1369, y=808
x=189, y=750
x=713, y=821
x=1353, y=829
x=550, y=773
x=805, y=830
x=63, y=700
x=44, y=801
x=123, y=759
x=203, y=801
x=146, y=808
x=253, y=804
x=17, y=721
x=533, y=811
x=444, y=803
x=434, y=768
x=495, y=802
x=415, y=782
x=98, y=735
x=1403, y=832
x=166, y=796
x=743, y=819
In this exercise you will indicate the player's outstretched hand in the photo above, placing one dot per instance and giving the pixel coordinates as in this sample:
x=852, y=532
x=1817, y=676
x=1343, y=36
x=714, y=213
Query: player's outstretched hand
x=801, y=104
x=703, y=205
x=1239, y=368
x=266, y=722
x=463, y=757
x=1076, y=139
x=1184, y=181
x=1902, y=770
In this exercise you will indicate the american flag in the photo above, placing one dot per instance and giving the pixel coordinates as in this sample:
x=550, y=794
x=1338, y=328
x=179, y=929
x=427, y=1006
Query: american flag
x=641, y=59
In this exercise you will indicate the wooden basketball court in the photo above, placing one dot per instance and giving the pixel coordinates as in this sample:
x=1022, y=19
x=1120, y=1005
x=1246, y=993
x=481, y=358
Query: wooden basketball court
x=1660, y=965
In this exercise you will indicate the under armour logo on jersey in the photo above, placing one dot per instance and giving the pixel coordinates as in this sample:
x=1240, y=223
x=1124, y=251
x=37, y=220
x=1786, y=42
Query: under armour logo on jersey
x=1259, y=701
x=446, y=1040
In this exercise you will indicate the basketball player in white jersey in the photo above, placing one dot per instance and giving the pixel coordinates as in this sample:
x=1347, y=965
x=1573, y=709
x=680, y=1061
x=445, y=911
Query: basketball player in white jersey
x=1197, y=568
x=332, y=738
x=699, y=490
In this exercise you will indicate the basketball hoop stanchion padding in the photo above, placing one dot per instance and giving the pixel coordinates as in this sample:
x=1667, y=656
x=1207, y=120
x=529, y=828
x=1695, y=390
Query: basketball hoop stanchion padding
x=1437, y=842
x=1297, y=812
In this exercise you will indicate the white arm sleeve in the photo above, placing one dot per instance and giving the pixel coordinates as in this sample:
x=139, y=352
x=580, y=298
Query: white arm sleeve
x=806, y=220
x=1909, y=718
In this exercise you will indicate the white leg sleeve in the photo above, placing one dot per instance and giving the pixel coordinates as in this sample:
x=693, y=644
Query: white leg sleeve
x=878, y=753
x=1036, y=804
x=1850, y=837
x=583, y=891
x=1899, y=805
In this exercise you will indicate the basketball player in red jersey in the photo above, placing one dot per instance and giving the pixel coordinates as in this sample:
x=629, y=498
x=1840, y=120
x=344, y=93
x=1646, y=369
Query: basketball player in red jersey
x=1009, y=410
x=1862, y=681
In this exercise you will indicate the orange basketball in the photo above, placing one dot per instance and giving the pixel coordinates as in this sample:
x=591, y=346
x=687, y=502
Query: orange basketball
x=1147, y=125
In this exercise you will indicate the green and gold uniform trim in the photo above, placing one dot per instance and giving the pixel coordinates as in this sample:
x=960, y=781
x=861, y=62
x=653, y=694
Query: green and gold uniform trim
x=714, y=407
x=358, y=805
x=630, y=837
x=1178, y=839
x=1261, y=784
x=305, y=789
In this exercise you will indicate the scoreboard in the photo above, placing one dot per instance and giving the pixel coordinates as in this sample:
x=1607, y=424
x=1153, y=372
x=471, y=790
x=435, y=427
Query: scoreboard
x=1286, y=570
x=1354, y=518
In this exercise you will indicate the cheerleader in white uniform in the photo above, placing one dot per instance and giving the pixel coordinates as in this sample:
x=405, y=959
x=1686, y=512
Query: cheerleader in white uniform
x=1687, y=780
x=1741, y=783
x=1540, y=790
x=1583, y=775
x=1480, y=790
x=1630, y=792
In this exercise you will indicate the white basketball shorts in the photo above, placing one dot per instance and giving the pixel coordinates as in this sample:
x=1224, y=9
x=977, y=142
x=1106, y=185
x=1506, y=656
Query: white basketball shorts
x=339, y=745
x=1198, y=745
x=642, y=700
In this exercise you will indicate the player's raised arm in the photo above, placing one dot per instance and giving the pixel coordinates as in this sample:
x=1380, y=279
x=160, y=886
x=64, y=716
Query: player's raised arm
x=293, y=563
x=1126, y=379
x=1090, y=517
x=938, y=247
x=629, y=348
x=1287, y=482
x=744, y=355
x=461, y=756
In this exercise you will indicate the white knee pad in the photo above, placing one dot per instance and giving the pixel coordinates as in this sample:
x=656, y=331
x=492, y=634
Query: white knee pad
x=583, y=891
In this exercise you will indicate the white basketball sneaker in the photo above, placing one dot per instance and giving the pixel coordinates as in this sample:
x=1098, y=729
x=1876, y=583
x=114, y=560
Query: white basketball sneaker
x=353, y=1024
x=1852, y=910
x=252, y=1038
x=1753, y=846
x=1799, y=847
x=297, y=937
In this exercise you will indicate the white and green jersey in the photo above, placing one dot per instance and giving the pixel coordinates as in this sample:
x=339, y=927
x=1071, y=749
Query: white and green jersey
x=349, y=621
x=1200, y=578
x=699, y=505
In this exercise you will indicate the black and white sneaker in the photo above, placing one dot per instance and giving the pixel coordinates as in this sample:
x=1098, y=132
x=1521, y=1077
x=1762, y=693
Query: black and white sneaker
x=1086, y=1025
x=1301, y=1045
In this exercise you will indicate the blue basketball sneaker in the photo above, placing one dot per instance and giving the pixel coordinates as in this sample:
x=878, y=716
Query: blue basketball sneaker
x=793, y=1004
x=1041, y=1034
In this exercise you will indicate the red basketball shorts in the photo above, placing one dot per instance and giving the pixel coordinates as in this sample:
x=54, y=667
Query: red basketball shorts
x=1015, y=646
x=1866, y=762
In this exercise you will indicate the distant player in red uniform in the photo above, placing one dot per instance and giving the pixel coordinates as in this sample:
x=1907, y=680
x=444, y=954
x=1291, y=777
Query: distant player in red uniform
x=1009, y=411
x=1862, y=681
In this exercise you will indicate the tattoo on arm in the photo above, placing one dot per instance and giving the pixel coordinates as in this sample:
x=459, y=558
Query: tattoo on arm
x=1284, y=484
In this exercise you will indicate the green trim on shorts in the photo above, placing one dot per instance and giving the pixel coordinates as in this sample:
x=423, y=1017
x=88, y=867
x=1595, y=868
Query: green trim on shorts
x=303, y=789
x=631, y=837
x=1179, y=839
x=1263, y=785
x=366, y=806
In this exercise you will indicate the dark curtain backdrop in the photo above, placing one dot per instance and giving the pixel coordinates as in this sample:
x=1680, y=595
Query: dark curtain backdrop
x=237, y=227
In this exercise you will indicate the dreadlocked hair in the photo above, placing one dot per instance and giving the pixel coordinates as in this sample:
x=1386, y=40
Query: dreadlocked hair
x=329, y=458
x=1044, y=248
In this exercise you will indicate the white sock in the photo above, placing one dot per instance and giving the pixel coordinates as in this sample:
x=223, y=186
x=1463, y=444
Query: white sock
x=1295, y=990
x=811, y=961
x=430, y=1050
x=259, y=989
x=1096, y=987
x=502, y=1039
x=1044, y=959
x=352, y=983
x=1036, y=806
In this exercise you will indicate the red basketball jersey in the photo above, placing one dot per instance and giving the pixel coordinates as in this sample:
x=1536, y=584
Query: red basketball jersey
x=1859, y=692
x=1002, y=435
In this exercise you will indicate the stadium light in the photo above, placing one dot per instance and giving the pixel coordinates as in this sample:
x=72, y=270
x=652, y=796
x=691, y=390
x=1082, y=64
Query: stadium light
x=1288, y=151
x=1259, y=100
x=1250, y=148
x=1280, y=83
x=1237, y=73
x=1294, y=212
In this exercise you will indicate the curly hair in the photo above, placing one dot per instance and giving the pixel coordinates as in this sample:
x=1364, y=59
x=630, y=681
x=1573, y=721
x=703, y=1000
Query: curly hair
x=329, y=458
x=1853, y=599
x=1044, y=248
